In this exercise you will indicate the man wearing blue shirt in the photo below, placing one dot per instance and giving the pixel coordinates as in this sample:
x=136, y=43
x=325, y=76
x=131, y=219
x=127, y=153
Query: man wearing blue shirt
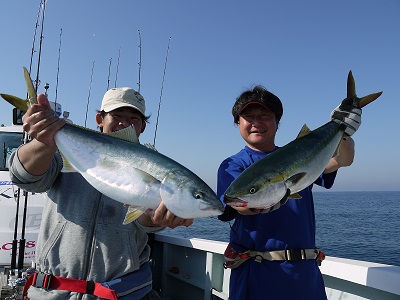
x=288, y=230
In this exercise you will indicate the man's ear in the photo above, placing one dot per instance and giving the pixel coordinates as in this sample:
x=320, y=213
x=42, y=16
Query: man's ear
x=99, y=120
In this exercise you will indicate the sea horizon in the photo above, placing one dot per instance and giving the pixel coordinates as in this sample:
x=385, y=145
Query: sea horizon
x=359, y=225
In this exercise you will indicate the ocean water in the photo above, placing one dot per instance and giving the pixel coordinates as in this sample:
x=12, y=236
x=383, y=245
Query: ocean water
x=355, y=225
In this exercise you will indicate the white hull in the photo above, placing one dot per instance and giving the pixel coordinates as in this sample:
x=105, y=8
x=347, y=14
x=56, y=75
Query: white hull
x=7, y=225
x=8, y=207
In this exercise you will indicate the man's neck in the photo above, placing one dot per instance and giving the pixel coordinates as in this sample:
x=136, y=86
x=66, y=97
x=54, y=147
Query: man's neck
x=266, y=148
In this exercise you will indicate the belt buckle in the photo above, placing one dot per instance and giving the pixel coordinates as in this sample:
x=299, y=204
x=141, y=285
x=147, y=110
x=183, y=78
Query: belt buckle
x=293, y=254
x=42, y=280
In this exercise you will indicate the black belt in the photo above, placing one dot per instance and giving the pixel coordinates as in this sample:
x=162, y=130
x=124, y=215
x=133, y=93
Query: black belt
x=289, y=255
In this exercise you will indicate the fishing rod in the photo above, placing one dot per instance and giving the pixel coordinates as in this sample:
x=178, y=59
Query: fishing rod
x=34, y=36
x=116, y=73
x=40, y=46
x=17, y=196
x=90, y=88
x=22, y=240
x=15, y=241
x=109, y=71
x=162, y=87
x=58, y=67
x=140, y=58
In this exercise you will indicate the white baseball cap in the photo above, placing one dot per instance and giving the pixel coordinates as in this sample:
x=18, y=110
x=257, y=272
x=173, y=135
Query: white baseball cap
x=123, y=97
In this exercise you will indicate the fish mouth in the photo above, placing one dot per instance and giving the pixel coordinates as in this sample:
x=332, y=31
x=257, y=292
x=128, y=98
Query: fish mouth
x=208, y=207
x=233, y=201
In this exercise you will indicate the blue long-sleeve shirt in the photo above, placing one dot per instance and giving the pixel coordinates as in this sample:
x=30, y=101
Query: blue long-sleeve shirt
x=292, y=226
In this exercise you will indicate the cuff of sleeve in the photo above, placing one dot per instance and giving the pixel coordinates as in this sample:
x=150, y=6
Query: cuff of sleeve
x=19, y=171
x=149, y=229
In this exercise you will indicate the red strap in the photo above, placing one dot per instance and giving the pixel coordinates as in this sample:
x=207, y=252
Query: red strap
x=26, y=287
x=73, y=285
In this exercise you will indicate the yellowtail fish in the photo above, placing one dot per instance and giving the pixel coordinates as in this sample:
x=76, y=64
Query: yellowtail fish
x=288, y=170
x=129, y=172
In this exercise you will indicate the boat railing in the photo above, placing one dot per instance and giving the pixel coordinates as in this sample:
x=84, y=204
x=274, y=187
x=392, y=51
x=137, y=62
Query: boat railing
x=193, y=269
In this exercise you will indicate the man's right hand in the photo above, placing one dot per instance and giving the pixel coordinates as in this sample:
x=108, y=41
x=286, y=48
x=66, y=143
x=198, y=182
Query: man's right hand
x=41, y=122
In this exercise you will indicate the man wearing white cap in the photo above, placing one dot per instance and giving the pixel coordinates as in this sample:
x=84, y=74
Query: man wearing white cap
x=123, y=107
x=84, y=251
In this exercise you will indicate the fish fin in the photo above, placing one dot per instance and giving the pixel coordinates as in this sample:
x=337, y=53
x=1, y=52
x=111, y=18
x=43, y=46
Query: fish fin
x=294, y=196
x=337, y=150
x=296, y=178
x=146, y=177
x=133, y=213
x=304, y=131
x=150, y=146
x=19, y=103
x=67, y=167
x=127, y=134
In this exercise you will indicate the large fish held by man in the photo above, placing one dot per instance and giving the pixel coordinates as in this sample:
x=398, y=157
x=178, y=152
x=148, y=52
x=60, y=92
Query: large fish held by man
x=288, y=170
x=127, y=171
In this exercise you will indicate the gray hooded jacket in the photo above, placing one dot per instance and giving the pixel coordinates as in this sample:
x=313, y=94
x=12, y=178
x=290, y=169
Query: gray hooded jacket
x=81, y=234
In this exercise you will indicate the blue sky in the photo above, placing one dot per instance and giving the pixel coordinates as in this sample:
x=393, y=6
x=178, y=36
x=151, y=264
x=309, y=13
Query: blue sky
x=300, y=50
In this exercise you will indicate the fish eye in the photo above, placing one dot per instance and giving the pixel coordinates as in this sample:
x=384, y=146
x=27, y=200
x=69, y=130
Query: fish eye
x=198, y=195
x=252, y=190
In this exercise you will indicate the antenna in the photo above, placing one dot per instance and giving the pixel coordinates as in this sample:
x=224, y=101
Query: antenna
x=116, y=73
x=58, y=65
x=90, y=88
x=140, y=58
x=162, y=86
x=108, y=79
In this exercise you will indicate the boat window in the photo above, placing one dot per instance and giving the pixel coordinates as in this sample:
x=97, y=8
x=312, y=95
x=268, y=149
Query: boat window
x=9, y=141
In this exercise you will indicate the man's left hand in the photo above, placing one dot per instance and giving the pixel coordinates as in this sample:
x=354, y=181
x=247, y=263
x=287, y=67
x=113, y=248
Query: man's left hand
x=347, y=115
x=161, y=216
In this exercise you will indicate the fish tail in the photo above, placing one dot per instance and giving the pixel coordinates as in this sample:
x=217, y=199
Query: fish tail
x=369, y=98
x=19, y=103
x=32, y=96
x=351, y=86
x=351, y=93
